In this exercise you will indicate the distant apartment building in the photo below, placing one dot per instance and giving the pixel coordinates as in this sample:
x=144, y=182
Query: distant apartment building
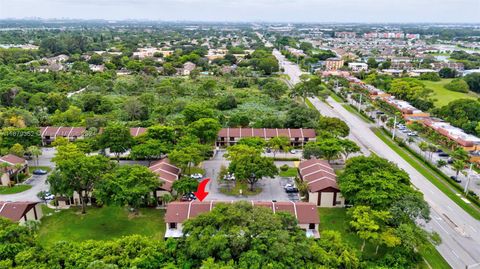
x=452, y=65
x=333, y=64
x=345, y=34
x=357, y=67
x=298, y=137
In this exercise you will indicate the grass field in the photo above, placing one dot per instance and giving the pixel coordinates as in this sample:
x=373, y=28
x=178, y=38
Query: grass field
x=291, y=172
x=443, y=95
x=242, y=187
x=14, y=189
x=336, y=219
x=100, y=224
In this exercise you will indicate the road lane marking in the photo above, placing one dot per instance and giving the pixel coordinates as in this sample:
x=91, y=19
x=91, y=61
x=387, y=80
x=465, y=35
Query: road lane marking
x=455, y=254
x=440, y=225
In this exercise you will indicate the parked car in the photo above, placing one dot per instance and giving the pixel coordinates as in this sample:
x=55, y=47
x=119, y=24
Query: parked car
x=196, y=176
x=450, y=161
x=268, y=150
x=290, y=188
x=229, y=177
x=49, y=196
x=188, y=197
x=412, y=134
x=439, y=151
x=443, y=155
x=293, y=151
x=456, y=179
x=39, y=172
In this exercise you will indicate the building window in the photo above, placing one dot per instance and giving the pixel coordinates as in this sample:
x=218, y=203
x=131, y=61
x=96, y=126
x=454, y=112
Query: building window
x=173, y=225
x=311, y=226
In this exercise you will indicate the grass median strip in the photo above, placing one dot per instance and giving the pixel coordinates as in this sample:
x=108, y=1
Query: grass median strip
x=432, y=176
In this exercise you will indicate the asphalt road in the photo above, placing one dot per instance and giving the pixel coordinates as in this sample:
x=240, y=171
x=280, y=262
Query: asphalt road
x=459, y=231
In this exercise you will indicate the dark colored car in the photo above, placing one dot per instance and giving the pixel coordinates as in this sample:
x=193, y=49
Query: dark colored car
x=39, y=172
x=443, y=154
x=188, y=197
x=455, y=178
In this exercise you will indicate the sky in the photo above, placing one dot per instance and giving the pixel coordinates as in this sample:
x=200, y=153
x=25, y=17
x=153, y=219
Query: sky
x=403, y=11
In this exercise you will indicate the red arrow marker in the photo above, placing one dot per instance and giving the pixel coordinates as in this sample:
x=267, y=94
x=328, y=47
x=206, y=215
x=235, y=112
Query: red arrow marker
x=201, y=193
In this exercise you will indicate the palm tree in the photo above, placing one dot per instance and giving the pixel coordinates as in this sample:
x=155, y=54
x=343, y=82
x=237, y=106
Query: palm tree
x=458, y=166
x=35, y=151
x=423, y=147
x=17, y=167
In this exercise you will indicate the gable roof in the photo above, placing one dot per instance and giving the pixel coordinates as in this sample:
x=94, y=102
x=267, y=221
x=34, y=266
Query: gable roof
x=318, y=174
x=178, y=212
x=15, y=210
x=12, y=159
x=266, y=132
x=167, y=172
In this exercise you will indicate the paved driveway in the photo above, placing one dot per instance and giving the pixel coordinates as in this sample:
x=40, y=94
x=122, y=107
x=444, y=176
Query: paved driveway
x=272, y=188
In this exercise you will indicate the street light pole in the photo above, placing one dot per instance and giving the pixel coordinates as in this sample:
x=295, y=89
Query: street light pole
x=468, y=179
x=394, y=127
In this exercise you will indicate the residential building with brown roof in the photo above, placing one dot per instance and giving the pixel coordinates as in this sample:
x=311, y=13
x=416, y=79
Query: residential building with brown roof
x=10, y=170
x=20, y=211
x=168, y=173
x=321, y=182
x=298, y=137
x=178, y=212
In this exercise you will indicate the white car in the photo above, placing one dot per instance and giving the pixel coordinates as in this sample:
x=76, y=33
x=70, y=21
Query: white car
x=293, y=151
x=196, y=176
x=49, y=196
x=229, y=177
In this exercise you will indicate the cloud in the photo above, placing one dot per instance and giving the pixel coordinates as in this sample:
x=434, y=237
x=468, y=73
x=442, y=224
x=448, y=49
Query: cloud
x=250, y=10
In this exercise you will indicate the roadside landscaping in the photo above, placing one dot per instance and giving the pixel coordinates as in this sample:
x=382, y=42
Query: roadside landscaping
x=336, y=219
x=431, y=175
x=240, y=188
x=99, y=224
x=15, y=189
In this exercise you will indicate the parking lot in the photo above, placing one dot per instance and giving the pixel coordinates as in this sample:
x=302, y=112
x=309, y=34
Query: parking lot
x=272, y=188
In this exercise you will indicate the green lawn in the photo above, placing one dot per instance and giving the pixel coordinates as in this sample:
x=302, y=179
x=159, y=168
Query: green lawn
x=46, y=168
x=431, y=175
x=443, y=95
x=336, y=219
x=240, y=186
x=14, y=189
x=100, y=224
x=291, y=172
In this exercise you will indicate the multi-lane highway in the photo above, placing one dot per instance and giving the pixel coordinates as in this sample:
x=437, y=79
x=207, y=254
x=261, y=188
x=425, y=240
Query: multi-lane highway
x=459, y=231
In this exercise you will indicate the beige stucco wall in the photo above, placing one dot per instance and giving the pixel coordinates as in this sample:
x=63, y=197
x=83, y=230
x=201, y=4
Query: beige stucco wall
x=326, y=199
x=5, y=179
x=313, y=197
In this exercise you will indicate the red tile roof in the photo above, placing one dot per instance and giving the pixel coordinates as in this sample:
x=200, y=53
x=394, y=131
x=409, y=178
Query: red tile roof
x=12, y=159
x=166, y=172
x=178, y=212
x=15, y=210
x=318, y=174
x=266, y=132
x=62, y=131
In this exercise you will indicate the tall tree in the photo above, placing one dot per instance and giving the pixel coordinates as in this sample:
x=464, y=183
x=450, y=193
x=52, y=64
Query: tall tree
x=252, y=168
x=77, y=172
x=279, y=143
x=127, y=185
x=116, y=138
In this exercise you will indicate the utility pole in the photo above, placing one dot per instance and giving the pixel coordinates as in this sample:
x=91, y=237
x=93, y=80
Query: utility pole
x=394, y=127
x=468, y=179
x=360, y=102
